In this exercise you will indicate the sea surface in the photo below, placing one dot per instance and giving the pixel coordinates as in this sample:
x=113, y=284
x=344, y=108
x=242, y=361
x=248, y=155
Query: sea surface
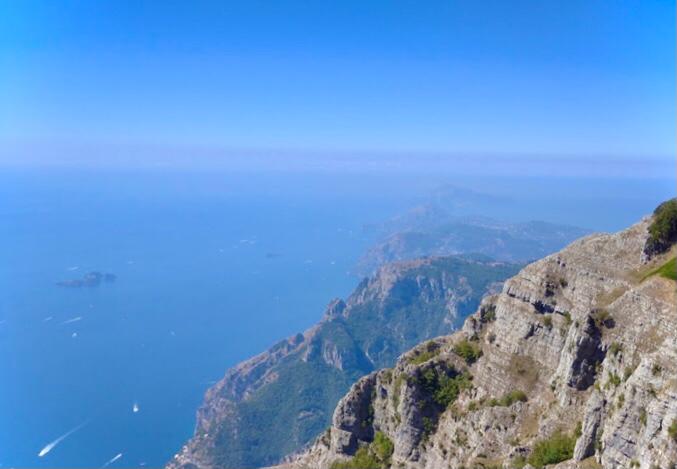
x=211, y=269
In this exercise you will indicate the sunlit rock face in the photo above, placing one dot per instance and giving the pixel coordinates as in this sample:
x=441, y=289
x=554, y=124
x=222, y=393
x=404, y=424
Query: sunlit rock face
x=577, y=352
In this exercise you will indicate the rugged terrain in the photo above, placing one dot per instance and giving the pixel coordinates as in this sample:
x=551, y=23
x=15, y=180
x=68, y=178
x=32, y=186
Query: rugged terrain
x=516, y=242
x=572, y=364
x=275, y=403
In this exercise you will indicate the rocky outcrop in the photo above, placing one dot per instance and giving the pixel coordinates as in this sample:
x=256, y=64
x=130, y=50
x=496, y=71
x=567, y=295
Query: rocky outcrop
x=275, y=403
x=573, y=363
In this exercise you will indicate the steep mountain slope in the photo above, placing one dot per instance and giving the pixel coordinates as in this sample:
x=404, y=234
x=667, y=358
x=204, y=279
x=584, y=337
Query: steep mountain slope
x=275, y=403
x=574, y=363
x=454, y=235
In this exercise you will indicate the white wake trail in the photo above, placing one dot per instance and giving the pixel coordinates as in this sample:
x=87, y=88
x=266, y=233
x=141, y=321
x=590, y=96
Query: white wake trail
x=112, y=460
x=50, y=446
x=75, y=319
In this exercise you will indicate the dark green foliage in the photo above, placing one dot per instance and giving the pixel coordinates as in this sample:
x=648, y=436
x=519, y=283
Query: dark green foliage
x=467, y=350
x=443, y=388
x=663, y=229
x=559, y=447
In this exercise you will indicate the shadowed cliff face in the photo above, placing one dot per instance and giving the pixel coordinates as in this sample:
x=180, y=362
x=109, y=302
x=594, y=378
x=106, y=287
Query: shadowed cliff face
x=275, y=403
x=573, y=364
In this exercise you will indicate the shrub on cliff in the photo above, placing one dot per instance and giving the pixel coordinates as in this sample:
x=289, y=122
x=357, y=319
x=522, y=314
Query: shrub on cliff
x=468, y=351
x=559, y=447
x=663, y=229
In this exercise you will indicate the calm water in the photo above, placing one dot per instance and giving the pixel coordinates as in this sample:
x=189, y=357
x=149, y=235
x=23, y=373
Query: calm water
x=212, y=268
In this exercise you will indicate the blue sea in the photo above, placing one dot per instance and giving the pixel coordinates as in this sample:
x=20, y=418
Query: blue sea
x=212, y=268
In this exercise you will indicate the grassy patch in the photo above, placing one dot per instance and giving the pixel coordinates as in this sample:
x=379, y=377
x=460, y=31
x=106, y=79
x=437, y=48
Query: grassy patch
x=559, y=447
x=667, y=270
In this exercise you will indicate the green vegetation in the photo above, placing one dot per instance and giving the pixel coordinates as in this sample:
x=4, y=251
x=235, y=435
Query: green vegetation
x=547, y=322
x=363, y=459
x=431, y=350
x=443, y=388
x=559, y=447
x=467, y=350
x=667, y=270
x=663, y=229
x=382, y=447
x=375, y=456
x=509, y=399
x=488, y=313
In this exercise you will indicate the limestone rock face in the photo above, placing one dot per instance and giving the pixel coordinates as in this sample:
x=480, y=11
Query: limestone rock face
x=581, y=344
x=275, y=403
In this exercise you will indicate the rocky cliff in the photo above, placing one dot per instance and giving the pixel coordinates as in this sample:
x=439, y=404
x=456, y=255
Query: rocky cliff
x=279, y=401
x=572, y=364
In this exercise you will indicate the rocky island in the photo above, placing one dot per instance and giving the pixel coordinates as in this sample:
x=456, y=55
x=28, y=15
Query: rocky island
x=90, y=279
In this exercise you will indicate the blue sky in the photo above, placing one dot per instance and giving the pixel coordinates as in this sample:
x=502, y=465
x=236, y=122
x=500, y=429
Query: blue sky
x=547, y=77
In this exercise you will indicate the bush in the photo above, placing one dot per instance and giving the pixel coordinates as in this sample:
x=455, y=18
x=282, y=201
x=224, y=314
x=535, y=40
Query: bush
x=376, y=456
x=559, y=447
x=663, y=229
x=444, y=389
x=508, y=399
x=363, y=459
x=382, y=447
x=469, y=351
x=488, y=313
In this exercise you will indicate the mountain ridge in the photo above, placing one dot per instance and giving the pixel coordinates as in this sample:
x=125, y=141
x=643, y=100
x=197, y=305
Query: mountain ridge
x=278, y=401
x=573, y=364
